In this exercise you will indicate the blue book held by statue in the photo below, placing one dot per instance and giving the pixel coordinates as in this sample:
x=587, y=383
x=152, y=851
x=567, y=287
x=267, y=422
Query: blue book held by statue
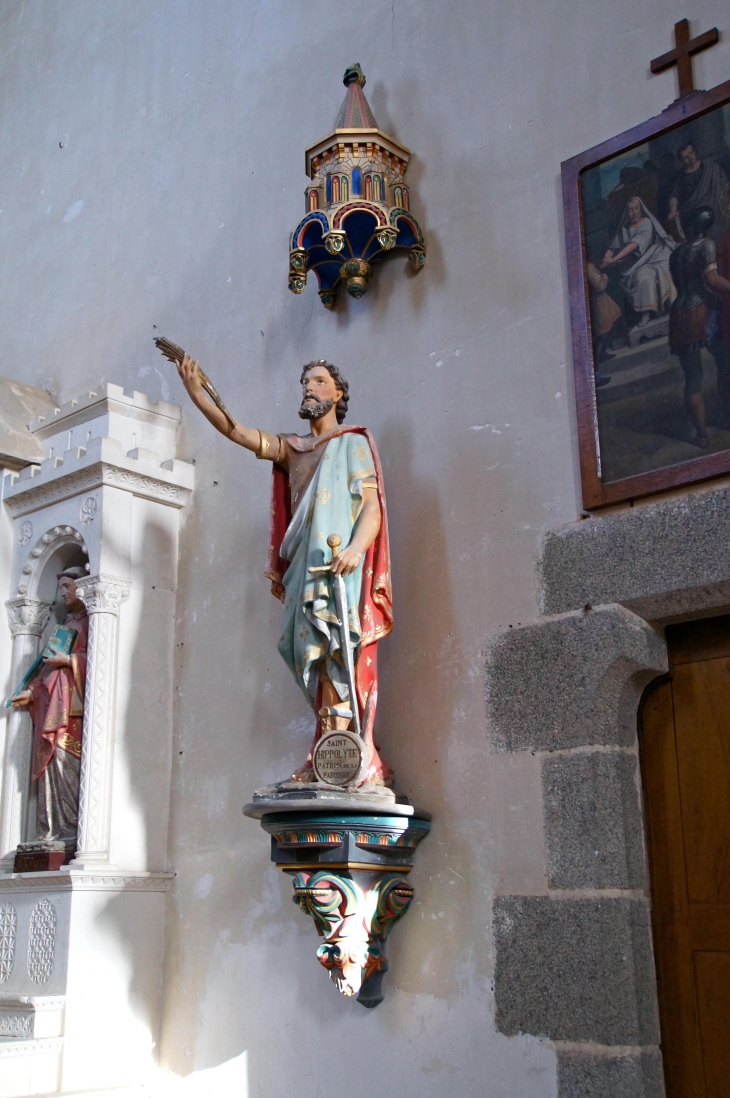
x=60, y=643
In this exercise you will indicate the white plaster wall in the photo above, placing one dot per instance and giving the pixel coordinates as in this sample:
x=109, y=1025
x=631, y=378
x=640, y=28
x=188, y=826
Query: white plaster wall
x=151, y=170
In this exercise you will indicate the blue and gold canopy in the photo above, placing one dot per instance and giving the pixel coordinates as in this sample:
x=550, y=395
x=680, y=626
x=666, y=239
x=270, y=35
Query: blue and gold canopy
x=358, y=207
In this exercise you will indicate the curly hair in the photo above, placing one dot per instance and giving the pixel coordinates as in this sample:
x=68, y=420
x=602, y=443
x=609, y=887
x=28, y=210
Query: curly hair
x=339, y=381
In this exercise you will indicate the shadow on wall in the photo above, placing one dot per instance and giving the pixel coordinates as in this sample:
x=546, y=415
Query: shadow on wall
x=141, y=776
x=423, y=681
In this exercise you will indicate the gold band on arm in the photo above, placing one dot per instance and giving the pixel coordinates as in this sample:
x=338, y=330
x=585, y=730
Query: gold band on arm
x=269, y=447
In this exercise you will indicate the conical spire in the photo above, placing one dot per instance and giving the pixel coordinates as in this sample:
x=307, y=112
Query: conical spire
x=355, y=113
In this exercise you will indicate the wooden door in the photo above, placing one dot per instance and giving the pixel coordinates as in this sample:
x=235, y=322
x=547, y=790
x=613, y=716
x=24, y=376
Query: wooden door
x=685, y=758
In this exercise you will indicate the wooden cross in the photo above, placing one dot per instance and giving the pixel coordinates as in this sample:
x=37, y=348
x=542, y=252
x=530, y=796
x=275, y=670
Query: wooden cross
x=681, y=55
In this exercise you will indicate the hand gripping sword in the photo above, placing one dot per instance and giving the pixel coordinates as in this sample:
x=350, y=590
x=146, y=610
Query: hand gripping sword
x=340, y=592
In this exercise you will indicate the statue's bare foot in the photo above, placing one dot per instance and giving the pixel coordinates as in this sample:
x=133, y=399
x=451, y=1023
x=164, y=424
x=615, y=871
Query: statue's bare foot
x=378, y=779
x=304, y=774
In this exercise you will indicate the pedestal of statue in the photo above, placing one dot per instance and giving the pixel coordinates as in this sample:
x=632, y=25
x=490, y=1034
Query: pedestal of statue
x=42, y=855
x=350, y=851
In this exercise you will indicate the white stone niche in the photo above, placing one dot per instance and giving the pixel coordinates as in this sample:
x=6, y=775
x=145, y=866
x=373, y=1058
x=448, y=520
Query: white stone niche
x=81, y=948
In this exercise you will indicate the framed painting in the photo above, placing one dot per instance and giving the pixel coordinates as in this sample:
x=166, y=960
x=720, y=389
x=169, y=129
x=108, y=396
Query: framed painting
x=647, y=225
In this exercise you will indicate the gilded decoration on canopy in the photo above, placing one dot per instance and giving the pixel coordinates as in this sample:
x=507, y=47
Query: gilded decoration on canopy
x=357, y=204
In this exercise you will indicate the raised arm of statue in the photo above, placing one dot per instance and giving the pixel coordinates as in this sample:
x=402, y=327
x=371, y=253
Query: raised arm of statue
x=263, y=445
x=205, y=397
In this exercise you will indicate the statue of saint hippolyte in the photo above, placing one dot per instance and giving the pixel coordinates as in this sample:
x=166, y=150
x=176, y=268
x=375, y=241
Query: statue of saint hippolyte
x=326, y=485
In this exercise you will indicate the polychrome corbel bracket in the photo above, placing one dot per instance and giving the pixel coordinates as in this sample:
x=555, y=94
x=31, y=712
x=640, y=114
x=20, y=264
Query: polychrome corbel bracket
x=351, y=875
x=358, y=207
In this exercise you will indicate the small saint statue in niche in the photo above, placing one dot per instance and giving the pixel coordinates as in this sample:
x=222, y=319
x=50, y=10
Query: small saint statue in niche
x=55, y=699
x=326, y=485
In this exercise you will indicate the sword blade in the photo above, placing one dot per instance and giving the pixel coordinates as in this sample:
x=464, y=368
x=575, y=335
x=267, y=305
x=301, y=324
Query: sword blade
x=342, y=608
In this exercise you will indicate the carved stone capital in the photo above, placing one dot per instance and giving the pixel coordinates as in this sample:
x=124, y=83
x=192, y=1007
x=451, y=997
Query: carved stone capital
x=102, y=594
x=27, y=615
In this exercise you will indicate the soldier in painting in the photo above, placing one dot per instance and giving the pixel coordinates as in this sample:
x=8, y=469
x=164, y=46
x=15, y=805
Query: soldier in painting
x=695, y=319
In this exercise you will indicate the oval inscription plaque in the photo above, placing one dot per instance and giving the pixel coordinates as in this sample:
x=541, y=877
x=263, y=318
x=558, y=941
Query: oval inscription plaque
x=338, y=758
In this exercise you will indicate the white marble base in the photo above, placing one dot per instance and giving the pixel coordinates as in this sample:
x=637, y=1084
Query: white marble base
x=30, y=1067
x=82, y=953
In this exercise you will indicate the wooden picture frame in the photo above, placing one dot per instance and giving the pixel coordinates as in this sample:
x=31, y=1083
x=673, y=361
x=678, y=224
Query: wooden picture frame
x=613, y=465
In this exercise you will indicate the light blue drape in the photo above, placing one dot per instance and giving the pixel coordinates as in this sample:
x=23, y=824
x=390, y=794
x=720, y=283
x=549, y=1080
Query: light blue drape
x=331, y=505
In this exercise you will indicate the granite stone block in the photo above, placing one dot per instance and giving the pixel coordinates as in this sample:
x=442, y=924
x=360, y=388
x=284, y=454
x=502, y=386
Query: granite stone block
x=575, y=969
x=663, y=560
x=570, y=681
x=593, y=825
x=610, y=1075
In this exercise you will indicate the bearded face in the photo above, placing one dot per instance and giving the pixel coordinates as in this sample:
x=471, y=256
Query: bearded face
x=311, y=408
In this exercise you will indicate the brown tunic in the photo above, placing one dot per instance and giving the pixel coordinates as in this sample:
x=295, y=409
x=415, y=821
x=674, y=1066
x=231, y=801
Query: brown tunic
x=300, y=455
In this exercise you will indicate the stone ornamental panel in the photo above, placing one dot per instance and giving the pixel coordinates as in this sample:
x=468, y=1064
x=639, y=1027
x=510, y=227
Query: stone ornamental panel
x=42, y=942
x=19, y=1026
x=8, y=931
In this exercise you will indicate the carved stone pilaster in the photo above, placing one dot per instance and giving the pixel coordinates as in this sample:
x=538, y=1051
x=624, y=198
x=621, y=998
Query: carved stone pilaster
x=27, y=618
x=102, y=595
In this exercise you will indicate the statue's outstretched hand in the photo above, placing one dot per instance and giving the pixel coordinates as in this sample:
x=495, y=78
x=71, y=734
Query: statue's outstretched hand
x=189, y=372
x=21, y=700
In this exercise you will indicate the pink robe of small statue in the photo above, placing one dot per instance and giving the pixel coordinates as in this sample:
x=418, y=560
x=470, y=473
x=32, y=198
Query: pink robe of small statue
x=57, y=709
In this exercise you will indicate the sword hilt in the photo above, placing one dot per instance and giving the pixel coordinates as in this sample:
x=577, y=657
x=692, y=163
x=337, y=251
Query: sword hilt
x=334, y=541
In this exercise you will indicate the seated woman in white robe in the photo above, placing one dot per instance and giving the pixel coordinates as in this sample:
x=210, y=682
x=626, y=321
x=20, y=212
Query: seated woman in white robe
x=640, y=251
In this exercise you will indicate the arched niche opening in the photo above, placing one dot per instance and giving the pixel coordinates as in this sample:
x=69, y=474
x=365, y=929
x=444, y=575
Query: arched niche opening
x=67, y=552
x=58, y=549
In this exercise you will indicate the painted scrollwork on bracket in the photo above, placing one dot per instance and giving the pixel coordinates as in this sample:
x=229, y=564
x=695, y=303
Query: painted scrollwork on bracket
x=350, y=876
x=354, y=922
